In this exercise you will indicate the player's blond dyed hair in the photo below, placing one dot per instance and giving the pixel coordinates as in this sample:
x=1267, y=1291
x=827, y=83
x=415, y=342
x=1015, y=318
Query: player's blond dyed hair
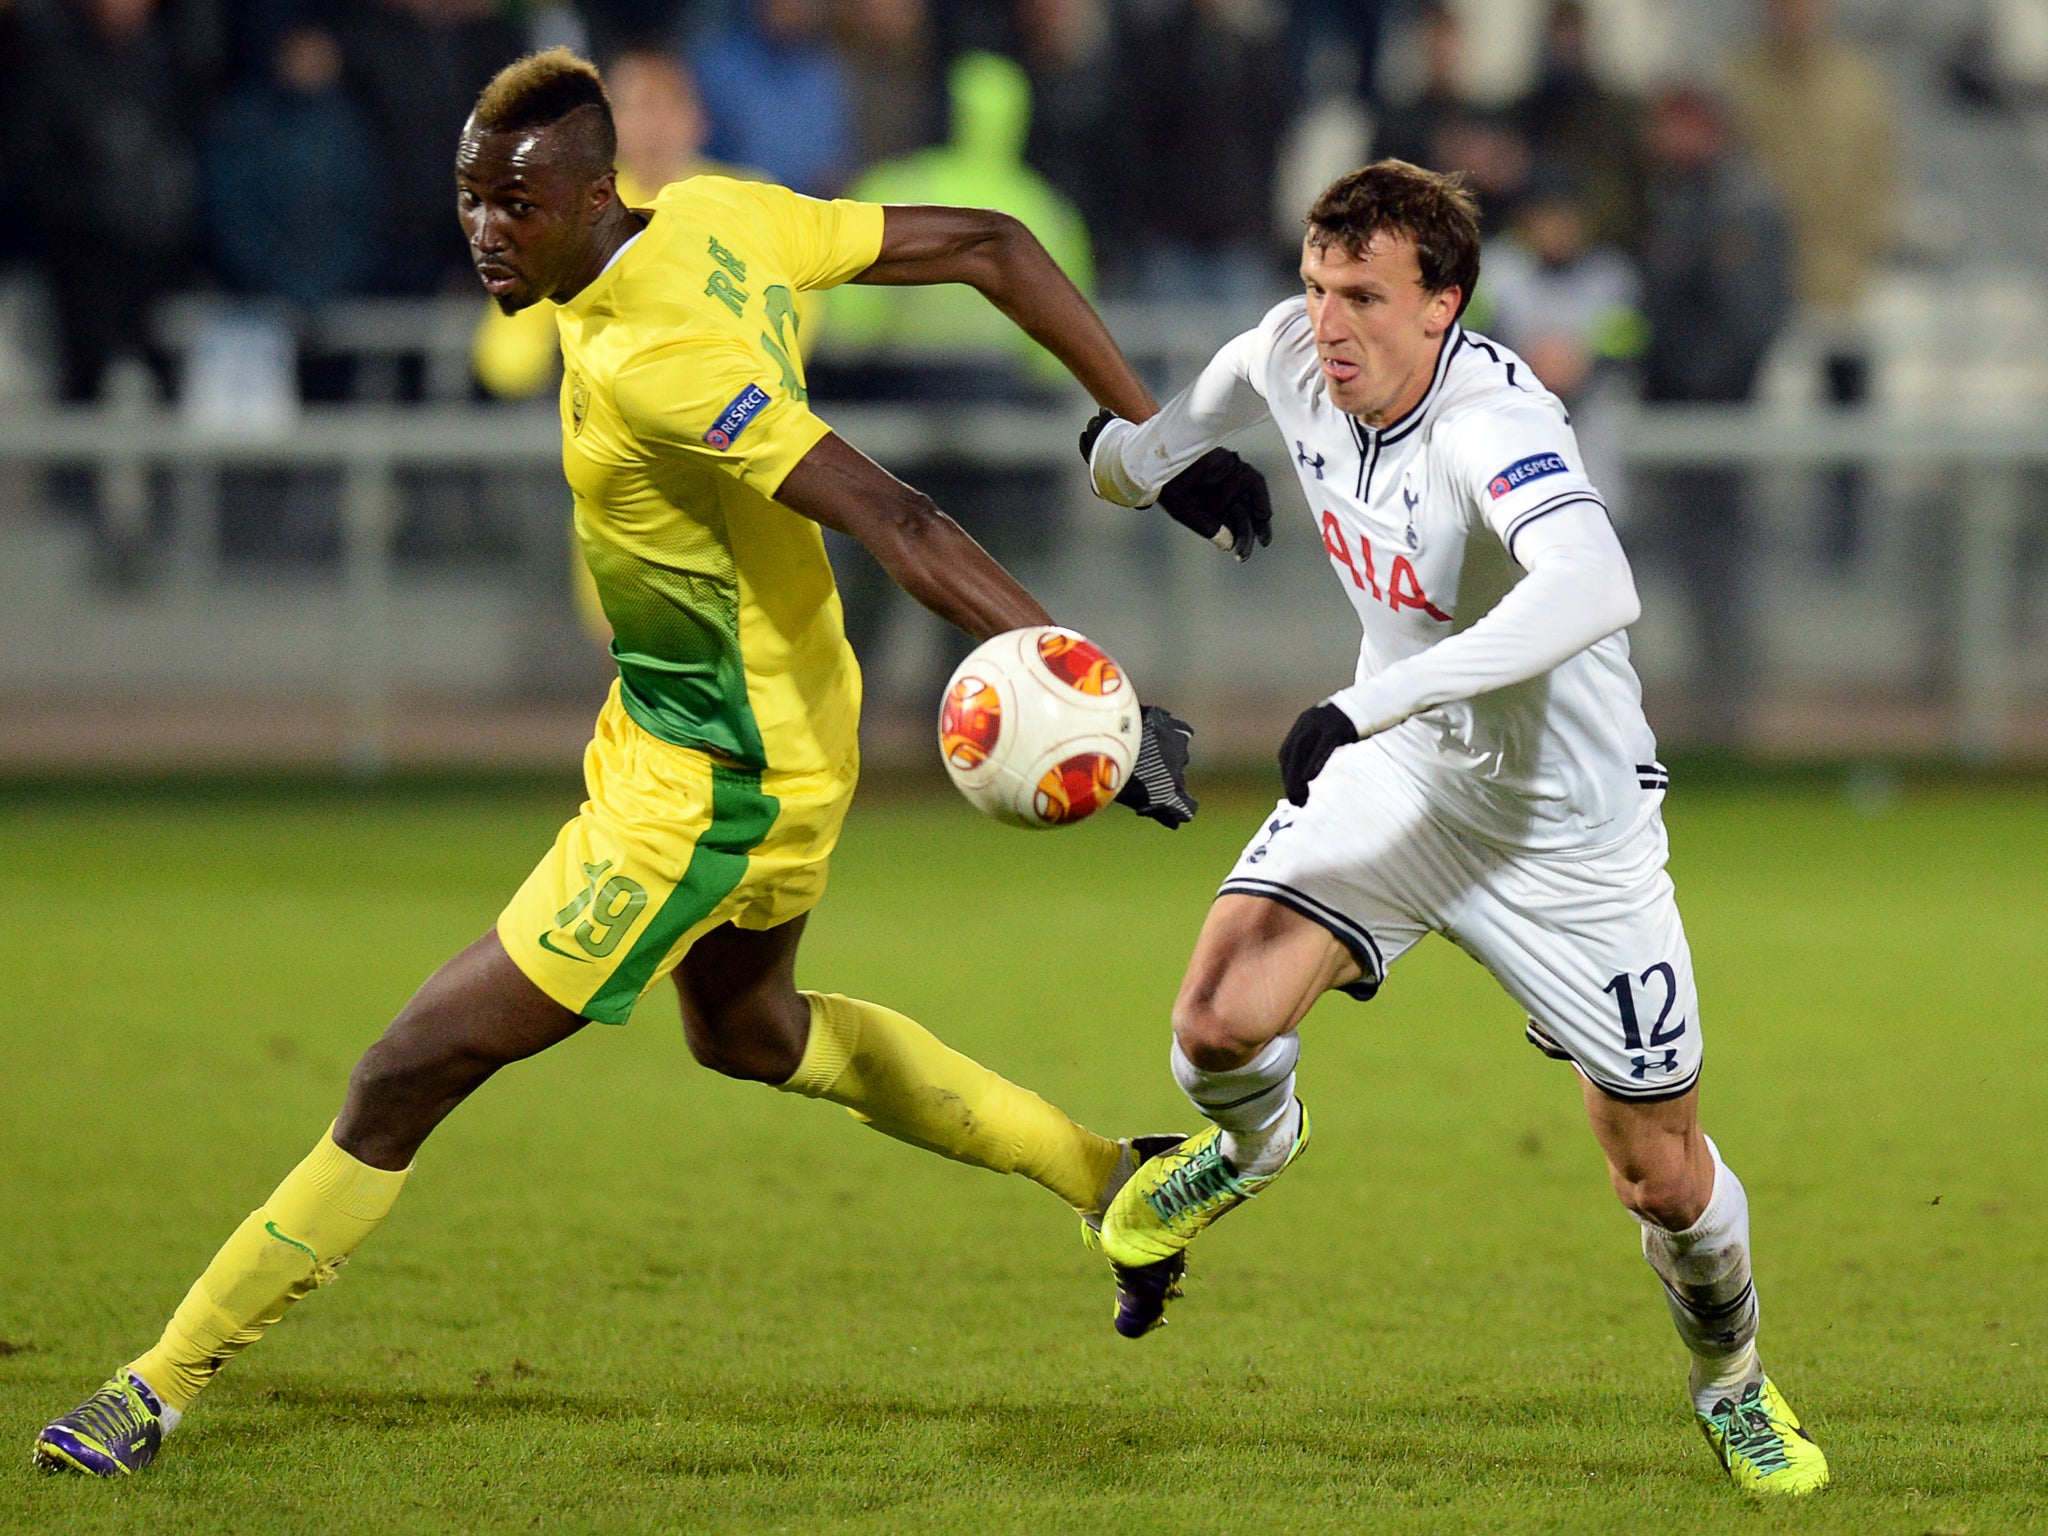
x=538, y=90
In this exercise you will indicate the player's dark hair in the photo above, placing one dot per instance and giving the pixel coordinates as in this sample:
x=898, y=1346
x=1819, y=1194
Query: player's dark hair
x=1392, y=197
x=541, y=90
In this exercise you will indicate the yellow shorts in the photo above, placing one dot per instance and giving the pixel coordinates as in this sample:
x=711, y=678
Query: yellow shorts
x=670, y=844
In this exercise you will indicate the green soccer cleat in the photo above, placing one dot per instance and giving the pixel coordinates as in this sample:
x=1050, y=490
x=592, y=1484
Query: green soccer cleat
x=1759, y=1441
x=1173, y=1198
x=1142, y=1290
x=115, y=1432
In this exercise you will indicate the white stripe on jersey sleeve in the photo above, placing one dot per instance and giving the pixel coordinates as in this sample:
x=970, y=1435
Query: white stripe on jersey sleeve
x=1579, y=590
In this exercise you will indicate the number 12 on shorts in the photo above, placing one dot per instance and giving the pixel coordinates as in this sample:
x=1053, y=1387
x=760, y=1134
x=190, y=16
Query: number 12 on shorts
x=1623, y=989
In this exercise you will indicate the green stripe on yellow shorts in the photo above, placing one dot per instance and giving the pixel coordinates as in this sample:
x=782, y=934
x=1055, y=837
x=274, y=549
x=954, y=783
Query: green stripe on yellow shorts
x=670, y=844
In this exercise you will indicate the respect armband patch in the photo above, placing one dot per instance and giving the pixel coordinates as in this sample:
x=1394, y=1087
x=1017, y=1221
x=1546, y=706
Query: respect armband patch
x=732, y=421
x=1522, y=471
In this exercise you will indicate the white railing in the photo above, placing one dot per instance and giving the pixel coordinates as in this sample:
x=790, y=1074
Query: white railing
x=1180, y=613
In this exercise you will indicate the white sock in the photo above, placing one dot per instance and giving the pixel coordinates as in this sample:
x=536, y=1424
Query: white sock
x=1706, y=1275
x=1254, y=1104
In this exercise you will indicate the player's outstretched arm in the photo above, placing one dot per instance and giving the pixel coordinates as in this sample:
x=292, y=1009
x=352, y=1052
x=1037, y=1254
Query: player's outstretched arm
x=1174, y=457
x=996, y=255
x=924, y=551
x=1578, y=591
x=932, y=558
x=1218, y=496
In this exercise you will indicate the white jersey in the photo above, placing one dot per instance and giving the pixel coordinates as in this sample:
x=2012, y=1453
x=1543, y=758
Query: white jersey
x=1420, y=520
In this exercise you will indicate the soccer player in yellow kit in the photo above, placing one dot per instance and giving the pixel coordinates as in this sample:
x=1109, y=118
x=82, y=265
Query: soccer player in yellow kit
x=726, y=755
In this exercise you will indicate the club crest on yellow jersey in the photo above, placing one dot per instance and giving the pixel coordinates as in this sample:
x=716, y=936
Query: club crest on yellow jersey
x=579, y=402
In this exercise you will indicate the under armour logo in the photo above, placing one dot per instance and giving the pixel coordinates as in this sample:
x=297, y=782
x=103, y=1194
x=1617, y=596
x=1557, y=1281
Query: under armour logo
x=1644, y=1064
x=1303, y=458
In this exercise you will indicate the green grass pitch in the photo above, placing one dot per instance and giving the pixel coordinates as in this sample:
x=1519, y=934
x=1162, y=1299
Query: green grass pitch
x=623, y=1295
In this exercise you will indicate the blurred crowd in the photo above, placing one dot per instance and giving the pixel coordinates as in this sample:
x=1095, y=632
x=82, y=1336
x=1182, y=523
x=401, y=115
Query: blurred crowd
x=283, y=156
x=298, y=152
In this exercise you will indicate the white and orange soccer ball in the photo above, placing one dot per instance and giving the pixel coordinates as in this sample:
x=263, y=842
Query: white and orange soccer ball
x=1039, y=727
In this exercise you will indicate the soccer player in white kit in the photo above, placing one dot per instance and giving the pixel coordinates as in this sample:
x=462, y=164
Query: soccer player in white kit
x=1488, y=776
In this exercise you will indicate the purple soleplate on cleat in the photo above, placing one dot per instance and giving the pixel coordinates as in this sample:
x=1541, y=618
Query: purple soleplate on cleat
x=1142, y=1292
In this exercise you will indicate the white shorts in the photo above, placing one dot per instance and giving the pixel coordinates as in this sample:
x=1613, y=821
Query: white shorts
x=1590, y=946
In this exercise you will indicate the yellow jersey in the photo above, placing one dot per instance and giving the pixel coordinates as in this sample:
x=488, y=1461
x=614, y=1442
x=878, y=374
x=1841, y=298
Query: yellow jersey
x=683, y=407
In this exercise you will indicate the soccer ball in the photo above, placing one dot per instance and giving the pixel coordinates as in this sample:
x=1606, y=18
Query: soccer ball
x=1039, y=727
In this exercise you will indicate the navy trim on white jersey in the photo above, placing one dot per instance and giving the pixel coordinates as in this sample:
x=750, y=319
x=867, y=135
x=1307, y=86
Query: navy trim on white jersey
x=1655, y=1095
x=1547, y=1043
x=1481, y=344
x=1393, y=432
x=1346, y=931
x=1555, y=504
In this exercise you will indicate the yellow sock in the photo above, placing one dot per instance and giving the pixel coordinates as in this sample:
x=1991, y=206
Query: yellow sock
x=899, y=1078
x=310, y=1224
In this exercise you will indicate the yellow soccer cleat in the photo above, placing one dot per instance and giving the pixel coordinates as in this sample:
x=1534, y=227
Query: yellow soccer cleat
x=1759, y=1441
x=1173, y=1198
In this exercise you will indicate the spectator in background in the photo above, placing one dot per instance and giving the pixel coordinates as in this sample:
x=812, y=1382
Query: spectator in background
x=290, y=195
x=1207, y=100
x=886, y=46
x=1350, y=28
x=616, y=27
x=417, y=66
x=1572, y=309
x=1443, y=131
x=931, y=330
x=1816, y=110
x=1486, y=148
x=946, y=345
x=661, y=125
x=108, y=175
x=778, y=95
x=1571, y=119
x=1079, y=95
x=1408, y=130
x=1717, y=281
x=1569, y=306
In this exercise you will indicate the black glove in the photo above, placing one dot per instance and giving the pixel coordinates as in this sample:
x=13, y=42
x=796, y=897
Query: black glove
x=1319, y=732
x=1092, y=431
x=1158, y=786
x=1223, y=499
x=1218, y=496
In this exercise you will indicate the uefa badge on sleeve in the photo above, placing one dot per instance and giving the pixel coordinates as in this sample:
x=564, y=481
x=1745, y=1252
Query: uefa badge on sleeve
x=732, y=421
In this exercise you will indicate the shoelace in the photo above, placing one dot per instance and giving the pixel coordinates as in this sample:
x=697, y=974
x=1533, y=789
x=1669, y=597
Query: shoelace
x=1751, y=1434
x=1202, y=1181
x=109, y=1414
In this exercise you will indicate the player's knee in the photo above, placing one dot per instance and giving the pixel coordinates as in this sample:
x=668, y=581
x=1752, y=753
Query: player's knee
x=756, y=1039
x=1212, y=1036
x=1664, y=1197
x=417, y=1056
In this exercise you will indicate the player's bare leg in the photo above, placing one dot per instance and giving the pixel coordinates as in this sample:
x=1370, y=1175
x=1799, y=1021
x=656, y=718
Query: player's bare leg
x=476, y=1014
x=743, y=1016
x=1695, y=1221
x=1257, y=969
